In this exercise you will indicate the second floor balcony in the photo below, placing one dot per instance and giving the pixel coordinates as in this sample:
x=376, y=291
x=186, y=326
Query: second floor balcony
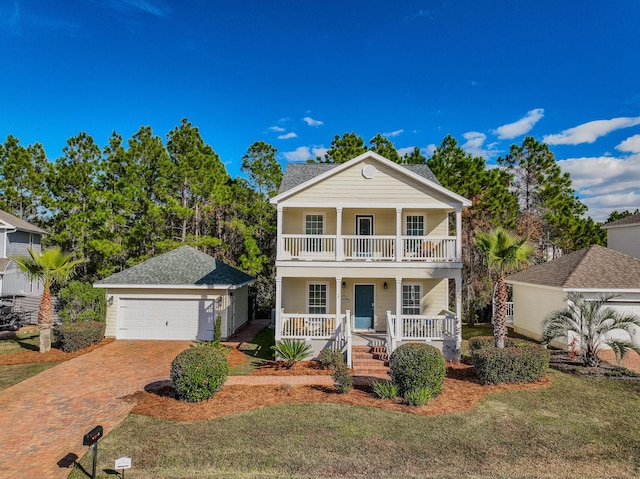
x=302, y=247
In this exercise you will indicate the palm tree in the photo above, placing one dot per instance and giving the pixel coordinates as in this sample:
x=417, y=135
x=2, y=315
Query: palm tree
x=505, y=253
x=52, y=266
x=591, y=322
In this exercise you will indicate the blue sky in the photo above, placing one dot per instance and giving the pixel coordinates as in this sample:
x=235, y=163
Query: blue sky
x=297, y=73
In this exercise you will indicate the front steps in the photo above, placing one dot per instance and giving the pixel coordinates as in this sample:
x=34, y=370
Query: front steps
x=370, y=361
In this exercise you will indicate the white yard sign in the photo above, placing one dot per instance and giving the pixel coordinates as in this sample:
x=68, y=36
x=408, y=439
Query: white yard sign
x=123, y=463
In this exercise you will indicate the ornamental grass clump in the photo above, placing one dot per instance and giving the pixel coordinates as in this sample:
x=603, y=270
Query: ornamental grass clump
x=417, y=365
x=291, y=351
x=198, y=373
x=418, y=396
x=384, y=389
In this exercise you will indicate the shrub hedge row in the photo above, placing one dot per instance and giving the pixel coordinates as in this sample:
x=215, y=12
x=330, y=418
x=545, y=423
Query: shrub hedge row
x=72, y=337
x=518, y=362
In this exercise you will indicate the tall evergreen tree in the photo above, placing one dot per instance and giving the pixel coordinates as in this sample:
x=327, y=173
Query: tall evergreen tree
x=384, y=147
x=344, y=149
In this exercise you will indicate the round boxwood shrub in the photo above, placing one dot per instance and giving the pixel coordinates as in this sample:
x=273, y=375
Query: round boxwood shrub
x=198, y=373
x=415, y=366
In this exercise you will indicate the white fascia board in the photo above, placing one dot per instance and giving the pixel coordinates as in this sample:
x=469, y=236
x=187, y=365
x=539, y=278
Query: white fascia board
x=370, y=154
x=607, y=227
x=602, y=290
x=7, y=226
x=343, y=204
x=246, y=283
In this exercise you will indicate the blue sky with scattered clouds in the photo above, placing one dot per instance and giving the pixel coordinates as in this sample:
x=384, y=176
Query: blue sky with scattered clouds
x=295, y=74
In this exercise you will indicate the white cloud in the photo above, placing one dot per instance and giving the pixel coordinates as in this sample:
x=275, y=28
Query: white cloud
x=591, y=131
x=154, y=7
x=393, y=133
x=605, y=183
x=311, y=122
x=287, y=136
x=631, y=144
x=475, y=145
x=405, y=151
x=301, y=153
x=430, y=149
x=319, y=151
x=278, y=129
x=520, y=127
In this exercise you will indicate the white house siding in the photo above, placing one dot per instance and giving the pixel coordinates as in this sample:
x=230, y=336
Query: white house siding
x=241, y=299
x=294, y=220
x=625, y=239
x=531, y=305
x=3, y=241
x=386, y=186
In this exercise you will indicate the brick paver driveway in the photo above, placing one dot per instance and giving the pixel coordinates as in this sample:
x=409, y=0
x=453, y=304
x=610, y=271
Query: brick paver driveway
x=44, y=418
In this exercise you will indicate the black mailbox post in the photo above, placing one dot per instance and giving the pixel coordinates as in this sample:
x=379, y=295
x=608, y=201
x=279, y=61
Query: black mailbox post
x=91, y=439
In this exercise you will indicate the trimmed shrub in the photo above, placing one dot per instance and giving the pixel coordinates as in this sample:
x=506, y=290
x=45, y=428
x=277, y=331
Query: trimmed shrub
x=331, y=358
x=517, y=364
x=484, y=342
x=198, y=373
x=342, y=378
x=384, y=389
x=291, y=351
x=72, y=337
x=79, y=301
x=415, y=366
x=217, y=332
x=418, y=396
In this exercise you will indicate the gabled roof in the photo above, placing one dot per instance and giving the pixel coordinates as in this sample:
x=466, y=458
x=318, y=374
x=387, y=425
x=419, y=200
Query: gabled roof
x=298, y=176
x=4, y=262
x=9, y=221
x=184, y=267
x=626, y=221
x=595, y=267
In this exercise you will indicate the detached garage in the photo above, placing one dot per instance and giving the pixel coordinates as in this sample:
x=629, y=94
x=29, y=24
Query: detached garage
x=176, y=296
x=591, y=271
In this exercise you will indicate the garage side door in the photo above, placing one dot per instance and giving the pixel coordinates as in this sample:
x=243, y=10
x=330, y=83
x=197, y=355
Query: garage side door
x=184, y=319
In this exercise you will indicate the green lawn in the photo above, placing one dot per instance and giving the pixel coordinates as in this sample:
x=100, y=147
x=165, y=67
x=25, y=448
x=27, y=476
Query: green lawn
x=10, y=375
x=257, y=351
x=16, y=342
x=577, y=427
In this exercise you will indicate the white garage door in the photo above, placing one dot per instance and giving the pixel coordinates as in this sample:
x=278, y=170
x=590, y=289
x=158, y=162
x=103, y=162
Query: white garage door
x=142, y=318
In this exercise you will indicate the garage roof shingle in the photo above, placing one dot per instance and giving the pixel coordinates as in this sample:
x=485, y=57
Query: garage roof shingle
x=182, y=266
x=595, y=267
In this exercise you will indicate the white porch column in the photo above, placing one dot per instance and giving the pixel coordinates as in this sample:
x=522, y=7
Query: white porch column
x=398, y=234
x=339, y=254
x=338, y=301
x=398, y=309
x=458, y=316
x=278, y=308
x=458, y=234
x=279, y=234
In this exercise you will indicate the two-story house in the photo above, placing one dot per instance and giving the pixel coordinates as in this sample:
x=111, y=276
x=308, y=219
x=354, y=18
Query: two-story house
x=16, y=237
x=624, y=235
x=367, y=254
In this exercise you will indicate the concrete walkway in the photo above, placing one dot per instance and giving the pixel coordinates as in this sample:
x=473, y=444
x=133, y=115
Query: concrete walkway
x=45, y=417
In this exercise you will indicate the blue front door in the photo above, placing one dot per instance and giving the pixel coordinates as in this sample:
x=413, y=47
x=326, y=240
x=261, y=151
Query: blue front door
x=363, y=306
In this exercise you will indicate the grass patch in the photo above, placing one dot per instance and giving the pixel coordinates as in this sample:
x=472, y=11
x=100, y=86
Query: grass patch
x=578, y=426
x=17, y=342
x=486, y=329
x=257, y=351
x=10, y=375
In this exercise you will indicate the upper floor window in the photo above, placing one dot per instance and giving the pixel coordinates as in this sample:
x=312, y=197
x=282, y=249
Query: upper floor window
x=411, y=296
x=415, y=225
x=317, y=298
x=314, y=224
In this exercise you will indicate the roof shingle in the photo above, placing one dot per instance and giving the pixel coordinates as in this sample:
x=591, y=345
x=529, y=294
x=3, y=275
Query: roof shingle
x=182, y=266
x=595, y=267
x=22, y=225
x=627, y=220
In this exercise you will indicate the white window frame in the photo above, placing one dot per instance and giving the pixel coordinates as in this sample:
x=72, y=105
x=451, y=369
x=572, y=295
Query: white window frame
x=406, y=221
x=410, y=304
x=327, y=292
x=313, y=213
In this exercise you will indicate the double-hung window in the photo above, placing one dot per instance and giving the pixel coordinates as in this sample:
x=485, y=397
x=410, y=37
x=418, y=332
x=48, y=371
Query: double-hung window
x=317, y=298
x=411, y=296
x=314, y=225
x=415, y=225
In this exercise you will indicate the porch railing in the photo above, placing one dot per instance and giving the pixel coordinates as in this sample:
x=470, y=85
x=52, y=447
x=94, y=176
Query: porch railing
x=419, y=328
x=367, y=248
x=314, y=326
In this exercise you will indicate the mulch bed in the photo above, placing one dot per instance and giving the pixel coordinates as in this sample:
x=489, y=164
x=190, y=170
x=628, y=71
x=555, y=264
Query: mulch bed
x=561, y=361
x=53, y=356
x=461, y=392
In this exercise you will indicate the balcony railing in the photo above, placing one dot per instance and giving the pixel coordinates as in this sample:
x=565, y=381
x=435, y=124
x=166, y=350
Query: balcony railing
x=367, y=248
x=419, y=328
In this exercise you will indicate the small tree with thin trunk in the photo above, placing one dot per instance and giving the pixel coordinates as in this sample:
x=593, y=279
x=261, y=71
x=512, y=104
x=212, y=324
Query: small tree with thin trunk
x=591, y=322
x=51, y=267
x=505, y=253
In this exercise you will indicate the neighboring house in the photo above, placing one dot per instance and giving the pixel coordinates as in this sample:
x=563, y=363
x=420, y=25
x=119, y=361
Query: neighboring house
x=624, y=235
x=591, y=271
x=365, y=255
x=176, y=295
x=16, y=238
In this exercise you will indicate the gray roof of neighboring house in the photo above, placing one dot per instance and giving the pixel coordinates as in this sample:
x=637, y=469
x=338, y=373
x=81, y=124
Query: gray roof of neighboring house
x=627, y=220
x=297, y=173
x=595, y=267
x=180, y=267
x=22, y=225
